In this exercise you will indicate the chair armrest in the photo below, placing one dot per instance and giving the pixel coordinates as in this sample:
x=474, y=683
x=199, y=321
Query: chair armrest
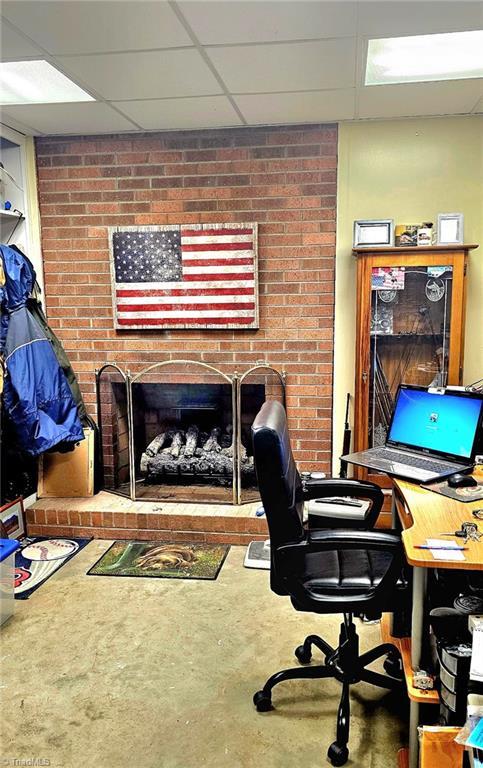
x=321, y=541
x=327, y=487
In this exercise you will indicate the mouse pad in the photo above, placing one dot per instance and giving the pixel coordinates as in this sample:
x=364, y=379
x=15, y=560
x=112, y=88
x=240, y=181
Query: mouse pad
x=473, y=493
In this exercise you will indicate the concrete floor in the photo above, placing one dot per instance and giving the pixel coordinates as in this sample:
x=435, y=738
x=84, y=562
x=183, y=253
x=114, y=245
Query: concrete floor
x=151, y=673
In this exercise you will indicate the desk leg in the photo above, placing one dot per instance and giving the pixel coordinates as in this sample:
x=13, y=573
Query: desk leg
x=417, y=627
x=394, y=516
x=413, y=734
x=417, y=619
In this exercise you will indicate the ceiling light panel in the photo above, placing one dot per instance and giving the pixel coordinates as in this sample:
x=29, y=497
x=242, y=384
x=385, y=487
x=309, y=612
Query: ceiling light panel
x=36, y=82
x=423, y=58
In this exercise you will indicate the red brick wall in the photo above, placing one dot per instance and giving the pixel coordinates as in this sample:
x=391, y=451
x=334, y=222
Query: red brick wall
x=283, y=178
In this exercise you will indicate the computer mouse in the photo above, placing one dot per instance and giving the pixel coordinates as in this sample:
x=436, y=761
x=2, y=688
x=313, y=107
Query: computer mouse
x=461, y=481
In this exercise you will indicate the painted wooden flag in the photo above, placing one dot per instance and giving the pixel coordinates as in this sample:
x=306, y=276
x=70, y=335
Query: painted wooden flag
x=186, y=276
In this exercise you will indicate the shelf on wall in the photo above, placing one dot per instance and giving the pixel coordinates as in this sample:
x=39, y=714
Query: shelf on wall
x=10, y=215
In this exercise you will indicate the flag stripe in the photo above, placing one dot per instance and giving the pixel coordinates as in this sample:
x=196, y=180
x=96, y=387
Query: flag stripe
x=216, y=278
x=226, y=321
x=216, y=262
x=241, y=254
x=214, y=246
x=186, y=292
x=215, y=232
x=130, y=310
x=213, y=301
x=199, y=284
x=217, y=239
x=226, y=271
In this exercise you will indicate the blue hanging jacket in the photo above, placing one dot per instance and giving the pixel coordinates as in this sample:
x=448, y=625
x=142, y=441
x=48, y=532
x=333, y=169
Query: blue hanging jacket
x=36, y=394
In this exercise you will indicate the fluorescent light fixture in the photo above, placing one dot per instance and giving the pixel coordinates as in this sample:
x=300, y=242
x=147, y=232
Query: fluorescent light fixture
x=420, y=58
x=36, y=82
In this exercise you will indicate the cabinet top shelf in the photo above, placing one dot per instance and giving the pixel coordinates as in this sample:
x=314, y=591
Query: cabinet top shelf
x=413, y=248
x=10, y=215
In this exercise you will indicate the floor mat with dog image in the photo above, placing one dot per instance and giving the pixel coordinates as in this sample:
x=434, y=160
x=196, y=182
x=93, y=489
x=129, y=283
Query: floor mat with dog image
x=161, y=559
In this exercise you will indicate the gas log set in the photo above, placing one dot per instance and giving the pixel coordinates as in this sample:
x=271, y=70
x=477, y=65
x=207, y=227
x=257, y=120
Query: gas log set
x=176, y=454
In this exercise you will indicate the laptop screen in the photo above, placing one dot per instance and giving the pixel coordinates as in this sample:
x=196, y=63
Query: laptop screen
x=443, y=423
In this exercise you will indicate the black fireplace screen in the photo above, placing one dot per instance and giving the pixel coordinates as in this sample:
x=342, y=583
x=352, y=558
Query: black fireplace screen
x=180, y=430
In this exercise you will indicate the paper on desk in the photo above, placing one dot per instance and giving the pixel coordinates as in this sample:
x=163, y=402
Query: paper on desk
x=476, y=736
x=446, y=553
x=476, y=670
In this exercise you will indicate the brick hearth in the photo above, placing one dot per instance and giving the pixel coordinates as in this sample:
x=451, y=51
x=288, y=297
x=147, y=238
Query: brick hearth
x=106, y=516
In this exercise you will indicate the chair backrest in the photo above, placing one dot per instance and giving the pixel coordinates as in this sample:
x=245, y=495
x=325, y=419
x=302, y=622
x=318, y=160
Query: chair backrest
x=278, y=480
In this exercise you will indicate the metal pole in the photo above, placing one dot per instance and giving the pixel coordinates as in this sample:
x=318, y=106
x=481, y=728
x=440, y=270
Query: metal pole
x=130, y=426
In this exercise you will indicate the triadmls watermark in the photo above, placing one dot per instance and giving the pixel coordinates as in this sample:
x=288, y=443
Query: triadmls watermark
x=22, y=761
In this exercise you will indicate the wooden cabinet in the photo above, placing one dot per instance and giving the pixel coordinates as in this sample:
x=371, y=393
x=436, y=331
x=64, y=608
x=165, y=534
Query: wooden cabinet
x=410, y=328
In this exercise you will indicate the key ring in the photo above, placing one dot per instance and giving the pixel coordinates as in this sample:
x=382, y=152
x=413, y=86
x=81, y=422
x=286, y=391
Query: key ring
x=478, y=513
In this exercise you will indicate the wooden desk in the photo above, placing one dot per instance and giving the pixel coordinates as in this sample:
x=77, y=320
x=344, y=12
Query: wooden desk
x=424, y=514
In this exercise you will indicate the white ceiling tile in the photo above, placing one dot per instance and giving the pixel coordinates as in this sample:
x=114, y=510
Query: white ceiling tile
x=418, y=99
x=181, y=114
x=286, y=67
x=250, y=22
x=10, y=122
x=87, y=27
x=393, y=19
x=156, y=74
x=86, y=118
x=309, y=107
x=14, y=46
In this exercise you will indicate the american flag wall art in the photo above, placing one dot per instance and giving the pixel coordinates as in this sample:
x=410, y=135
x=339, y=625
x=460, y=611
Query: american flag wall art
x=184, y=276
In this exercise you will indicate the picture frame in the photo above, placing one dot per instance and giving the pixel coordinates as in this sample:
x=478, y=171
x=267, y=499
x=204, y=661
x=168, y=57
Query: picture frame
x=12, y=517
x=370, y=233
x=151, y=264
x=450, y=228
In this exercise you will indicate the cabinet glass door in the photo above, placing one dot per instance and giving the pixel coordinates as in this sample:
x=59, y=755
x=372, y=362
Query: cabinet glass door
x=410, y=328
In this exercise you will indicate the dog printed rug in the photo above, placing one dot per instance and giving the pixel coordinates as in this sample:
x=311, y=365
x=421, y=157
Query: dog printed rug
x=161, y=559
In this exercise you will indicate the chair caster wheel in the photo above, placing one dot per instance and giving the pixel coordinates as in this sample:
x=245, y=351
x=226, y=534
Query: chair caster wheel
x=337, y=755
x=262, y=702
x=302, y=655
x=393, y=667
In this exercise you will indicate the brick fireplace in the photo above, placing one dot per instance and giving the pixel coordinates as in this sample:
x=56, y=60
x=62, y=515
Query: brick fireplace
x=180, y=430
x=284, y=178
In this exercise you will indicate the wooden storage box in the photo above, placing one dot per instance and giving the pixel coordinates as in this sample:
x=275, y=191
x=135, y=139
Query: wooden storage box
x=68, y=474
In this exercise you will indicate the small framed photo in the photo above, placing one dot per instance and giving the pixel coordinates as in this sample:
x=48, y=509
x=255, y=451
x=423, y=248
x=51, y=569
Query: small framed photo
x=12, y=518
x=371, y=233
x=450, y=228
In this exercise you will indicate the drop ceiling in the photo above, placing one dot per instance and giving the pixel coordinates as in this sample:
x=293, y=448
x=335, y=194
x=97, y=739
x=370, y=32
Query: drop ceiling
x=186, y=65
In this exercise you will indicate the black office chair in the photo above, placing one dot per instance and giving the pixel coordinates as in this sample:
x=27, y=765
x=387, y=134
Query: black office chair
x=324, y=571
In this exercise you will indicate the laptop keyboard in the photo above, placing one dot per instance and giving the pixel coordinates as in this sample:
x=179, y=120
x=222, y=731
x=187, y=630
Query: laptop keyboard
x=420, y=462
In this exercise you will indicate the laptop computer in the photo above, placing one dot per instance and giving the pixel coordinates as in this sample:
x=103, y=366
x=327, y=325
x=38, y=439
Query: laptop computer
x=434, y=433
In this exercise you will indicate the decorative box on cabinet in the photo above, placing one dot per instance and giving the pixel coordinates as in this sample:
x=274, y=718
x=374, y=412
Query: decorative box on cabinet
x=410, y=328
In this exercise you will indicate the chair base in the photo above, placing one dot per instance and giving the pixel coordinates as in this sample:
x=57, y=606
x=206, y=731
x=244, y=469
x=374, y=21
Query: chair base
x=344, y=664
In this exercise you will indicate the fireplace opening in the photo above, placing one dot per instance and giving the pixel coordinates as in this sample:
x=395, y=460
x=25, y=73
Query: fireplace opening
x=182, y=432
x=183, y=436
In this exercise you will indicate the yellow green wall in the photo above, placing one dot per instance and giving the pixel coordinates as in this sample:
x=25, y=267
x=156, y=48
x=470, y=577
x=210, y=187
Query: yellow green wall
x=409, y=171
